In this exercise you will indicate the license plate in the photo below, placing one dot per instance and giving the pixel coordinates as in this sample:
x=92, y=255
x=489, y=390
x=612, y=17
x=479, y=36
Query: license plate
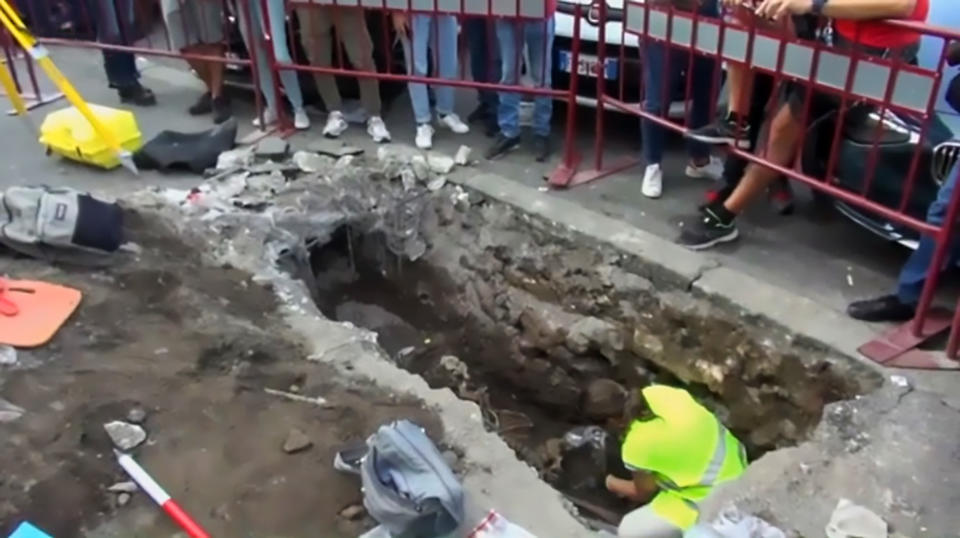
x=589, y=65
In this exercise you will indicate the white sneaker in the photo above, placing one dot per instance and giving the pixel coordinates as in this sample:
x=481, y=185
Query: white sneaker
x=269, y=118
x=712, y=170
x=453, y=122
x=336, y=125
x=378, y=130
x=424, y=136
x=652, y=182
x=301, y=121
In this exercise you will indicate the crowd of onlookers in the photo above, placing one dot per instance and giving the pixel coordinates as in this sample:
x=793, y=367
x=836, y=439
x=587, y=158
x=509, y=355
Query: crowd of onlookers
x=762, y=117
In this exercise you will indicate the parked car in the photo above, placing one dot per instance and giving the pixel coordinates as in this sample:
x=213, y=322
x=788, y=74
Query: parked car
x=622, y=67
x=900, y=138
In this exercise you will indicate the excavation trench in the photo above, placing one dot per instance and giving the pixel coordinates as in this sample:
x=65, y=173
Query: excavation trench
x=546, y=331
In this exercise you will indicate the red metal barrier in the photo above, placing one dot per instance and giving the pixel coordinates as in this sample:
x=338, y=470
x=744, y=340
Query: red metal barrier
x=894, y=89
x=124, y=27
x=14, y=58
x=381, y=17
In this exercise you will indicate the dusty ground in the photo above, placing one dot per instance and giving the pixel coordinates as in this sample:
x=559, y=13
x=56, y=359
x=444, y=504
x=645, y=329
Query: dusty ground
x=158, y=331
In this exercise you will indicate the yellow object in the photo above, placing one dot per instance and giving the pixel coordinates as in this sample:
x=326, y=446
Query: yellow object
x=14, y=24
x=686, y=448
x=68, y=133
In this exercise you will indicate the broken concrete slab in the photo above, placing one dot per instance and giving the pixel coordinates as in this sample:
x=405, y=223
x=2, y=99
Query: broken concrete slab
x=462, y=158
x=272, y=147
x=333, y=148
x=310, y=162
x=440, y=163
x=124, y=435
x=10, y=412
x=128, y=486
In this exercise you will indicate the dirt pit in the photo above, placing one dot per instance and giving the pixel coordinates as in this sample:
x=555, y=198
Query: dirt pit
x=547, y=332
x=194, y=346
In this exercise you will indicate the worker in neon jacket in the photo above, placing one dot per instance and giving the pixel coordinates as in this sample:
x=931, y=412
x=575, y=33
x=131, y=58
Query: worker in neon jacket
x=678, y=451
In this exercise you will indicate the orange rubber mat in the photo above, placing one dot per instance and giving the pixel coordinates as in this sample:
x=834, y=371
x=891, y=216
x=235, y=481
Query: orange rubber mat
x=31, y=311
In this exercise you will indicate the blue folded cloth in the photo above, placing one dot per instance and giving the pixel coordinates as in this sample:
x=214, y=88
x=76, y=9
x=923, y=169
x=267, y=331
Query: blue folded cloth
x=26, y=530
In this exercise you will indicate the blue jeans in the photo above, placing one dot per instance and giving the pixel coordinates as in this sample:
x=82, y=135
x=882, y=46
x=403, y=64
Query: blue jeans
x=484, y=59
x=913, y=275
x=437, y=33
x=114, y=23
x=278, y=31
x=538, y=38
x=654, y=70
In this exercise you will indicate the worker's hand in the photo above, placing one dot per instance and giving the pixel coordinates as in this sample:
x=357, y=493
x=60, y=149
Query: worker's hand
x=620, y=487
x=401, y=23
x=776, y=9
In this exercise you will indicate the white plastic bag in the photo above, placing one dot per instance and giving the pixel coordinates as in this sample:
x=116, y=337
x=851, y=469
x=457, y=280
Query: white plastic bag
x=497, y=526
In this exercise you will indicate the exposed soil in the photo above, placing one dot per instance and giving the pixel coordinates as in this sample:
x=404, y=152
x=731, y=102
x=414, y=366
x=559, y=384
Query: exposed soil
x=195, y=346
x=548, y=333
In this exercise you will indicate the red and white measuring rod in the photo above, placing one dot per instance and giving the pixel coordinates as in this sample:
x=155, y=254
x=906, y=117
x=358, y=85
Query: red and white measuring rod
x=159, y=496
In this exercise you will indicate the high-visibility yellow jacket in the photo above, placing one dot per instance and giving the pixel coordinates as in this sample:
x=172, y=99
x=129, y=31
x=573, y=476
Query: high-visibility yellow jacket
x=686, y=449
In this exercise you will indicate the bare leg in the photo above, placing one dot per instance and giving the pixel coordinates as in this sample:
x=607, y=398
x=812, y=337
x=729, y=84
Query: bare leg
x=740, y=83
x=784, y=135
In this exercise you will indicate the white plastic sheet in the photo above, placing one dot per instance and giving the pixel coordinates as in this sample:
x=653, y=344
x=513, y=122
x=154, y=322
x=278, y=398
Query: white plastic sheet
x=497, y=526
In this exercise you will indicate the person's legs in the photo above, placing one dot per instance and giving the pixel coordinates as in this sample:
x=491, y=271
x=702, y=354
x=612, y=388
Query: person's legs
x=508, y=113
x=654, y=63
x=420, y=25
x=484, y=64
x=703, y=96
x=447, y=56
x=539, y=39
x=902, y=305
x=717, y=223
x=509, y=40
x=352, y=27
x=316, y=26
x=249, y=21
x=914, y=272
x=785, y=130
x=114, y=20
x=645, y=523
x=538, y=36
x=276, y=18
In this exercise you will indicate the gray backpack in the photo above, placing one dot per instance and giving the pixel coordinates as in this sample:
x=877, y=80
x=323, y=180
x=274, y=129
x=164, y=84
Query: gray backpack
x=59, y=224
x=407, y=486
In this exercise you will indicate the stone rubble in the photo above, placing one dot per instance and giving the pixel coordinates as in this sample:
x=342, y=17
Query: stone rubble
x=124, y=435
x=128, y=486
x=296, y=441
x=10, y=412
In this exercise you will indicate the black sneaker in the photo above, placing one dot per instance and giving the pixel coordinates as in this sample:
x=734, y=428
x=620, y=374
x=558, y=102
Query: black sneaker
x=886, y=308
x=137, y=95
x=481, y=113
x=706, y=231
x=541, y=148
x=221, y=109
x=724, y=131
x=204, y=105
x=502, y=145
x=491, y=128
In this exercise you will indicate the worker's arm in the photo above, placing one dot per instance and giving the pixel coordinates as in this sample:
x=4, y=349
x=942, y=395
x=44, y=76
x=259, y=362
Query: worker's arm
x=641, y=489
x=839, y=9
